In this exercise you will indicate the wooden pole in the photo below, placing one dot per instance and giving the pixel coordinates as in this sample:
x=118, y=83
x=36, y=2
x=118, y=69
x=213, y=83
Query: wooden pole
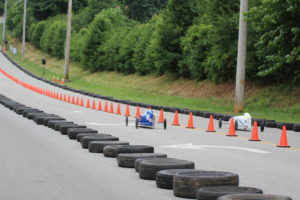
x=68, y=43
x=241, y=59
x=24, y=30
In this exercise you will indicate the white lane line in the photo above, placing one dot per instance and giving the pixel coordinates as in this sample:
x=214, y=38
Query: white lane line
x=203, y=147
x=77, y=111
x=97, y=124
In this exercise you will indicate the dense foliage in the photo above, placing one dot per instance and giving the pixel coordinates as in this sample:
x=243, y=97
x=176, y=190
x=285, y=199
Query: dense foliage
x=196, y=39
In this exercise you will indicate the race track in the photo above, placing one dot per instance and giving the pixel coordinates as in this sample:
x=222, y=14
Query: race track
x=39, y=163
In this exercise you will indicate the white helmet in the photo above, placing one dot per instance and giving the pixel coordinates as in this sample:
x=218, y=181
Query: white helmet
x=247, y=115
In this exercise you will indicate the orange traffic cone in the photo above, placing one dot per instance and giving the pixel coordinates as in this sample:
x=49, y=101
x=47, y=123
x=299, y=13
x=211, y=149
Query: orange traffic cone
x=60, y=97
x=190, y=122
x=105, y=107
x=69, y=99
x=111, y=110
x=283, y=140
x=138, y=112
x=94, y=105
x=53, y=79
x=57, y=96
x=65, y=97
x=77, y=101
x=88, y=103
x=57, y=80
x=82, y=102
x=254, y=136
x=231, y=129
x=149, y=108
x=73, y=100
x=211, y=125
x=161, y=116
x=118, y=110
x=100, y=106
x=63, y=81
x=176, y=121
x=127, y=113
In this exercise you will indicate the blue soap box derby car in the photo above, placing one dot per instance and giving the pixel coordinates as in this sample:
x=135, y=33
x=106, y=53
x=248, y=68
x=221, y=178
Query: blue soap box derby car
x=146, y=120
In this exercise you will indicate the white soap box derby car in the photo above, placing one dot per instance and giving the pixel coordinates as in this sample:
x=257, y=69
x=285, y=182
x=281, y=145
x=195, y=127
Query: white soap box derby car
x=242, y=122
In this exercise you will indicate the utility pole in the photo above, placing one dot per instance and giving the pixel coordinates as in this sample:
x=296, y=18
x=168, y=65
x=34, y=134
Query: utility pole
x=4, y=22
x=24, y=30
x=68, y=43
x=241, y=59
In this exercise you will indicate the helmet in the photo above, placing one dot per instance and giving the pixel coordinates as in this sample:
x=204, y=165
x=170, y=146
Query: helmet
x=247, y=115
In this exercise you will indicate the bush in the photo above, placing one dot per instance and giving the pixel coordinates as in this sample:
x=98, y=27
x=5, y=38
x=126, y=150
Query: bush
x=37, y=33
x=77, y=43
x=195, y=47
x=99, y=31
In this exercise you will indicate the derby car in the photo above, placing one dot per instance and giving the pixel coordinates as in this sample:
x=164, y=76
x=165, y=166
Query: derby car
x=242, y=122
x=146, y=120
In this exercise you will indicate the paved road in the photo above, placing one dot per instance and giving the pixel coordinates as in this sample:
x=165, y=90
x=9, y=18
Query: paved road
x=37, y=162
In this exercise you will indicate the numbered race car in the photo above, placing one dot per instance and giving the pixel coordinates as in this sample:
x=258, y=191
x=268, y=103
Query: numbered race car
x=242, y=122
x=146, y=120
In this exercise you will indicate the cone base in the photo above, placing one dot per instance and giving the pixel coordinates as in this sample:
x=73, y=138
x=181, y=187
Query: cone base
x=118, y=113
x=232, y=135
x=175, y=124
x=283, y=146
x=254, y=140
x=127, y=115
x=190, y=127
x=210, y=131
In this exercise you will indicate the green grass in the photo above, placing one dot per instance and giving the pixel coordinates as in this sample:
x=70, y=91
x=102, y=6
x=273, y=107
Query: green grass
x=280, y=103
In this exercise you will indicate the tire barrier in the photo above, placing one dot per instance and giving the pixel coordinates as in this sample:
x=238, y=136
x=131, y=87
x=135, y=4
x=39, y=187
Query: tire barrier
x=128, y=159
x=57, y=125
x=149, y=168
x=98, y=146
x=81, y=135
x=72, y=132
x=186, y=184
x=254, y=197
x=134, y=149
x=64, y=128
x=213, y=192
x=138, y=162
x=85, y=140
x=111, y=150
x=164, y=178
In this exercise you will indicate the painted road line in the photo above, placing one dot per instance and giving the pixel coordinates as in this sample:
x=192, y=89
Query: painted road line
x=203, y=147
x=98, y=124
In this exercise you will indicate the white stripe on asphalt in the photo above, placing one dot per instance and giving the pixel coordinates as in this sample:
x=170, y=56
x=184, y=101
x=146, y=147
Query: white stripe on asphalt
x=202, y=147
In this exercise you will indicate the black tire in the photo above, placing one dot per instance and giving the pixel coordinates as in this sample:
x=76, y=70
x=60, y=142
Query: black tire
x=45, y=120
x=236, y=125
x=213, y=192
x=297, y=127
x=220, y=123
x=57, y=125
x=186, y=184
x=64, y=128
x=271, y=124
x=254, y=197
x=135, y=149
x=72, y=132
x=20, y=111
x=32, y=114
x=126, y=121
x=42, y=119
x=136, y=123
x=262, y=127
x=98, y=146
x=27, y=111
x=165, y=124
x=52, y=122
x=111, y=150
x=138, y=162
x=289, y=126
x=87, y=139
x=149, y=168
x=81, y=135
x=164, y=178
x=128, y=159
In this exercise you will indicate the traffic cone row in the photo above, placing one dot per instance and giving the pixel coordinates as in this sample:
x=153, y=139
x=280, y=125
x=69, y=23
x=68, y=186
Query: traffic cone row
x=254, y=137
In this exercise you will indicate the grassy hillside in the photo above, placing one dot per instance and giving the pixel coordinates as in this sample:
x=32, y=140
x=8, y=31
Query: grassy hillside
x=278, y=102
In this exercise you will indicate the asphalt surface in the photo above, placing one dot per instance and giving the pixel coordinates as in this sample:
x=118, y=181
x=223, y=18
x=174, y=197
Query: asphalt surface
x=39, y=163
